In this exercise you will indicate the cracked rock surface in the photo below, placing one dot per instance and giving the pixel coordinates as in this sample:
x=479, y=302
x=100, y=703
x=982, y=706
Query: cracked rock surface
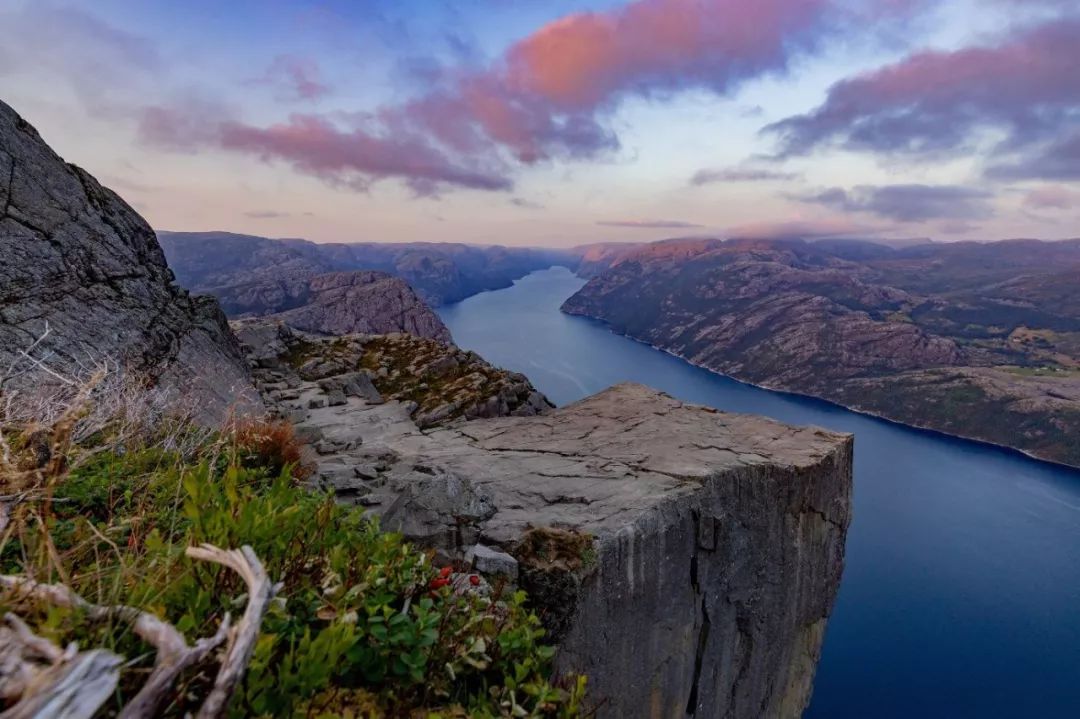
x=714, y=542
x=76, y=256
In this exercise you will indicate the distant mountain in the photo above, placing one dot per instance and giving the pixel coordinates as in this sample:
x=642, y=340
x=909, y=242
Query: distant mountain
x=975, y=339
x=228, y=265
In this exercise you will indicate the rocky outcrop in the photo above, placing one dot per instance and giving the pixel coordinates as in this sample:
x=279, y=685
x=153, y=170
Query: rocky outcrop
x=362, y=302
x=437, y=382
x=77, y=258
x=685, y=559
x=229, y=266
x=978, y=340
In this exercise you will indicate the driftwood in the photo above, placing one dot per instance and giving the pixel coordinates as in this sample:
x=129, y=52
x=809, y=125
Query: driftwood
x=260, y=593
x=46, y=681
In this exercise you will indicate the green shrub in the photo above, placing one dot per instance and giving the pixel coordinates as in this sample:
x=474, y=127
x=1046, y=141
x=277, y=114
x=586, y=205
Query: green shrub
x=356, y=630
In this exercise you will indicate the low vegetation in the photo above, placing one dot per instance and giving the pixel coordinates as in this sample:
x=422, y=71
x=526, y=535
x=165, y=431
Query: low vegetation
x=358, y=623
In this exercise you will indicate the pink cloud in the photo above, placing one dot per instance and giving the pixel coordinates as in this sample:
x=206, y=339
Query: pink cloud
x=546, y=97
x=316, y=147
x=586, y=60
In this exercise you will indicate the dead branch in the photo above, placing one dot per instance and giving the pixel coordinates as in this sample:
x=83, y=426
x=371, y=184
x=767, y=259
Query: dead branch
x=57, y=685
x=48, y=681
x=160, y=681
x=260, y=593
x=159, y=634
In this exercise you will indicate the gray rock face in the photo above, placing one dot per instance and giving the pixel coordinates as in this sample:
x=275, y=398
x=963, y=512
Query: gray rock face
x=75, y=256
x=367, y=302
x=692, y=556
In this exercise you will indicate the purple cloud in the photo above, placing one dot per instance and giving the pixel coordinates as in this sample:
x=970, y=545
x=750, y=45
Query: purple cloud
x=1056, y=160
x=908, y=203
x=356, y=157
x=736, y=174
x=1027, y=86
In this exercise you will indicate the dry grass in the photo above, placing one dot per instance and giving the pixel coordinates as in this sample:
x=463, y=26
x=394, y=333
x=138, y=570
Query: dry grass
x=272, y=443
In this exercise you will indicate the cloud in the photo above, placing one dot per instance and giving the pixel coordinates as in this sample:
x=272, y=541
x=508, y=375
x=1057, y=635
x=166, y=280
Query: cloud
x=525, y=204
x=345, y=157
x=294, y=78
x=1026, y=87
x=1055, y=160
x=547, y=97
x=99, y=62
x=908, y=203
x=353, y=158
x=736, y=174
x=647, y=224
x=265, y=214
x=1052, y=197
x=582, y=61
x=805, y=229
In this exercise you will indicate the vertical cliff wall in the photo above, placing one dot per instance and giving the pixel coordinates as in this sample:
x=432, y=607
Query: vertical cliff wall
x=722, y=594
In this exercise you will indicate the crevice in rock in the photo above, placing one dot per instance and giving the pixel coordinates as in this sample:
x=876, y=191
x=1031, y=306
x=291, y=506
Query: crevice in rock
x=705, y=623
x=10, y=187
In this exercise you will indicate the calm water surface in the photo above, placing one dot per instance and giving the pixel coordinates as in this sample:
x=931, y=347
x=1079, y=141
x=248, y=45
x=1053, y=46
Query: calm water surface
x=961, y=595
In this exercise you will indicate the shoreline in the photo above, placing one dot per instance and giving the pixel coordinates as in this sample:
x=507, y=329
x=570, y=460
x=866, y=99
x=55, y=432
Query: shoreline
x=806, y=396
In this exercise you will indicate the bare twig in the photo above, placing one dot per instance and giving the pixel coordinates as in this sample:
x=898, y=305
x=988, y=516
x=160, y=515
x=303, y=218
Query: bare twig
x=260, y=592
x=159, y=634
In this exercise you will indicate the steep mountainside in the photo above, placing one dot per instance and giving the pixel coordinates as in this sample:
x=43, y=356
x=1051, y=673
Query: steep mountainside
x=224, y=264
x=338, y=303
x=978, y=340
x=76, y=258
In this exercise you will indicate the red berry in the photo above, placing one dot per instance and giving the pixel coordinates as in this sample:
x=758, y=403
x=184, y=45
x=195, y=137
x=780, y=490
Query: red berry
x=474, y=580
x=445, y=572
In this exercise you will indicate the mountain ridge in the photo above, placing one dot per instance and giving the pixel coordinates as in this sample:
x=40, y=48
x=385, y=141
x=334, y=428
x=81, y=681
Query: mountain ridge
x=980, y=340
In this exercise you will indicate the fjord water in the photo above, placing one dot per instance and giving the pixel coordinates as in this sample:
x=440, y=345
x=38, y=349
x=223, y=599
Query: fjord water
x=961, y=592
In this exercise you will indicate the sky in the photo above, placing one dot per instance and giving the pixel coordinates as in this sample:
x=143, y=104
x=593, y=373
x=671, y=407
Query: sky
x=558, y=122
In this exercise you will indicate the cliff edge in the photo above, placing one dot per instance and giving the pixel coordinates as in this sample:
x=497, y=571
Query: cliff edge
x=685, y=559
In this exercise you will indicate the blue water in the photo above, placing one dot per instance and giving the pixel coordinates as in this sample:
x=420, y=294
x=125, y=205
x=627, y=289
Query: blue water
x=961, y=593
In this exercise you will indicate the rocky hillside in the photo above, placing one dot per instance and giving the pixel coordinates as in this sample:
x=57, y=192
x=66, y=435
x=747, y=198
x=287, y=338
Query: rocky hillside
x=437, y=382
x=339, y=303
x=77, y=259
x=224, y=264
x=978, y=340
